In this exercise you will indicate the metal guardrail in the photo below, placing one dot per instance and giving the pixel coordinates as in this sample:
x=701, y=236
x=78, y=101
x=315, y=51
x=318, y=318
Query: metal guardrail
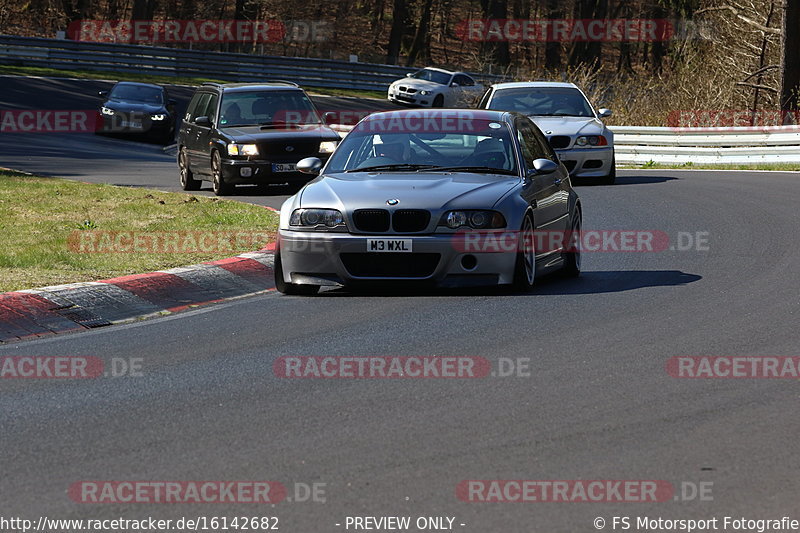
x=138, y=59
x=740, y=145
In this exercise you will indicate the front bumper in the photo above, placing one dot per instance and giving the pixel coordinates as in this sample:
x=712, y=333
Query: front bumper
x=414, y=99
x=243, y=171
x=317, y=259
x=587, y=162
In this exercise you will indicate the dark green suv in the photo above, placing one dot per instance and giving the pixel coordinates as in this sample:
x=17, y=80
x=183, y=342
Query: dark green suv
x=254, y=133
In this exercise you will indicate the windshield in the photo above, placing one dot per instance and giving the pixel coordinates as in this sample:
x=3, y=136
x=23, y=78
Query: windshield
x=435, y=76
x=542, y=101
x=137, y=93
x=266, y=108
x=408, y=143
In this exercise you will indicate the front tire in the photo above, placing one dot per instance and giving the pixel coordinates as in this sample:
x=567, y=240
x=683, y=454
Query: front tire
x=188, y=183
x=438, y=101
x=572, y=259
x=611, y=177
x=290, y=288
x=218, y=184
x=525, y=270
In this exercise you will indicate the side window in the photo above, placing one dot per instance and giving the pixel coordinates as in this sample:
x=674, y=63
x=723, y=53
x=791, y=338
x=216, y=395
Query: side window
x=468, y=82
x=211, y=108
x=531, y=144
x=485, y=99
x=201, y=106
x=190, y=109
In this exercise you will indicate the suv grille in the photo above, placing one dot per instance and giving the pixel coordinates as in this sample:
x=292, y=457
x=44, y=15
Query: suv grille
x=276, y=150
x=559, y=141
x=410, y=220
x=390, y=265
x=371, y=220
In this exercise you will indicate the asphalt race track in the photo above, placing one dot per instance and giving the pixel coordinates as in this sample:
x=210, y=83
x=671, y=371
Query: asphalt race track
x=596, y=404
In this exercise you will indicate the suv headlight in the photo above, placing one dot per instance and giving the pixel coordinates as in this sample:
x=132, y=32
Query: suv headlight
x=106, y=110
x=242, y=149
x=473, y=219
x=158, y=116
x=591, y=140
x=312, y=218
x=327, y=147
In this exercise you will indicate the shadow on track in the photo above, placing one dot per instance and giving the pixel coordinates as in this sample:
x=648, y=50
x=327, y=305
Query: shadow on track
x=594, y=282
x=624, y=180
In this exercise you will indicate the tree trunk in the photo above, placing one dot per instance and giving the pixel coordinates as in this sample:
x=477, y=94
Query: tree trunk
x=419, y=48
x=496, y=52
x=399, y=19
x=790, y=82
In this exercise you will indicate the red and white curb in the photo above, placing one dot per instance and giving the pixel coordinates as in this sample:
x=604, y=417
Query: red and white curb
x=76, y=306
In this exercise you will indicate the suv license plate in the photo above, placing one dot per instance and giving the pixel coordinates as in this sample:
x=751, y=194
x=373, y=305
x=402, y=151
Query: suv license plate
x=389, y=245
x=283, y=167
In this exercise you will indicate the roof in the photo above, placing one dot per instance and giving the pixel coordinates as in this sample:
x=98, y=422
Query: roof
x=140, y=84
x=523, y=84
x=451, y=72
x=473, y=114
x=261, y=86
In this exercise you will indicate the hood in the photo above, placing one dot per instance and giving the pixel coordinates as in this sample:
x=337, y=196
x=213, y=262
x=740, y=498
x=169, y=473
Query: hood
x=419, y=84
x=431, y=191
x=252, y=134
x=126, y=105
x=568, y=125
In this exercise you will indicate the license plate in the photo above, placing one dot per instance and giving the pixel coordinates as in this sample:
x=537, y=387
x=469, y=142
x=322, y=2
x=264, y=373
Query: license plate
x=284, y=167
x=131, y=125
x=389, y=245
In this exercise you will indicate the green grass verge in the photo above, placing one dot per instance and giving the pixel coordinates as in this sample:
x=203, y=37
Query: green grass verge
x=40, y=217
x=785, y=167
x=172, y=80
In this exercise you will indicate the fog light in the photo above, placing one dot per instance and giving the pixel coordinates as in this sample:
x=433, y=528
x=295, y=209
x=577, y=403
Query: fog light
x=245, y=172
x=469, y=262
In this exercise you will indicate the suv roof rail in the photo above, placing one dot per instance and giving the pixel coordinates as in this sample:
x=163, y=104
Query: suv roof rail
x=212, y=83
x=293, y=84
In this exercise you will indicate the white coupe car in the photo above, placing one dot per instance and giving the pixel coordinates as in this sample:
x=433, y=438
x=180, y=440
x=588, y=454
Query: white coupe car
x=575, y=130
x=434, y=87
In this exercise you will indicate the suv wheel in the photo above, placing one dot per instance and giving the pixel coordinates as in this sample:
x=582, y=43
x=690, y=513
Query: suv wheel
x=218, y=184
x=188, y=183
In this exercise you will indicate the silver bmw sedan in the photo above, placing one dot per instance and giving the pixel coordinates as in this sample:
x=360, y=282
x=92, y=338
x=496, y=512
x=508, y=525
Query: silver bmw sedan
x=445, y=197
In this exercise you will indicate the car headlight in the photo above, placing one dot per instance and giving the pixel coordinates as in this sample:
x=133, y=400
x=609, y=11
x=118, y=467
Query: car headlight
x=424, y=93
x=158, y=116
x=312, y=218
x=242, y=149
x=106, y=110
x=473, y=219
x=591, y=140
x=327, y=147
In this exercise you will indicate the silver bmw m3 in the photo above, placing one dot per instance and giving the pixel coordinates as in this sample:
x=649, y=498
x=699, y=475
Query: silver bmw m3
x=440, y=197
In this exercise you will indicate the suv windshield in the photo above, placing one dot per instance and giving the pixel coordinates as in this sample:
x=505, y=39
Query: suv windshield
x=137, y=93
x=432, y=75
x=388, y=145
x=266, y=108
x=542, y=101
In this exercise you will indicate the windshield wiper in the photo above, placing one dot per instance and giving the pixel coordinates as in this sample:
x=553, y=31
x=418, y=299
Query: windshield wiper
x=478, y=170
x=401, y=166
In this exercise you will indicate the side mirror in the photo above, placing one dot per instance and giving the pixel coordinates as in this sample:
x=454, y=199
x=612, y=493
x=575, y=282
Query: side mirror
x=409, y=74
x=203, y=121
x=102, y=93
x=454, y=84
x=328, y=116
x=309, y=165
x=543, y=166
x=603, y=112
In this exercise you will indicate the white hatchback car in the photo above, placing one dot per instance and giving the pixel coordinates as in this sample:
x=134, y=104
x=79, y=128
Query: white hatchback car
x=435, y=87
x=575, y=130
